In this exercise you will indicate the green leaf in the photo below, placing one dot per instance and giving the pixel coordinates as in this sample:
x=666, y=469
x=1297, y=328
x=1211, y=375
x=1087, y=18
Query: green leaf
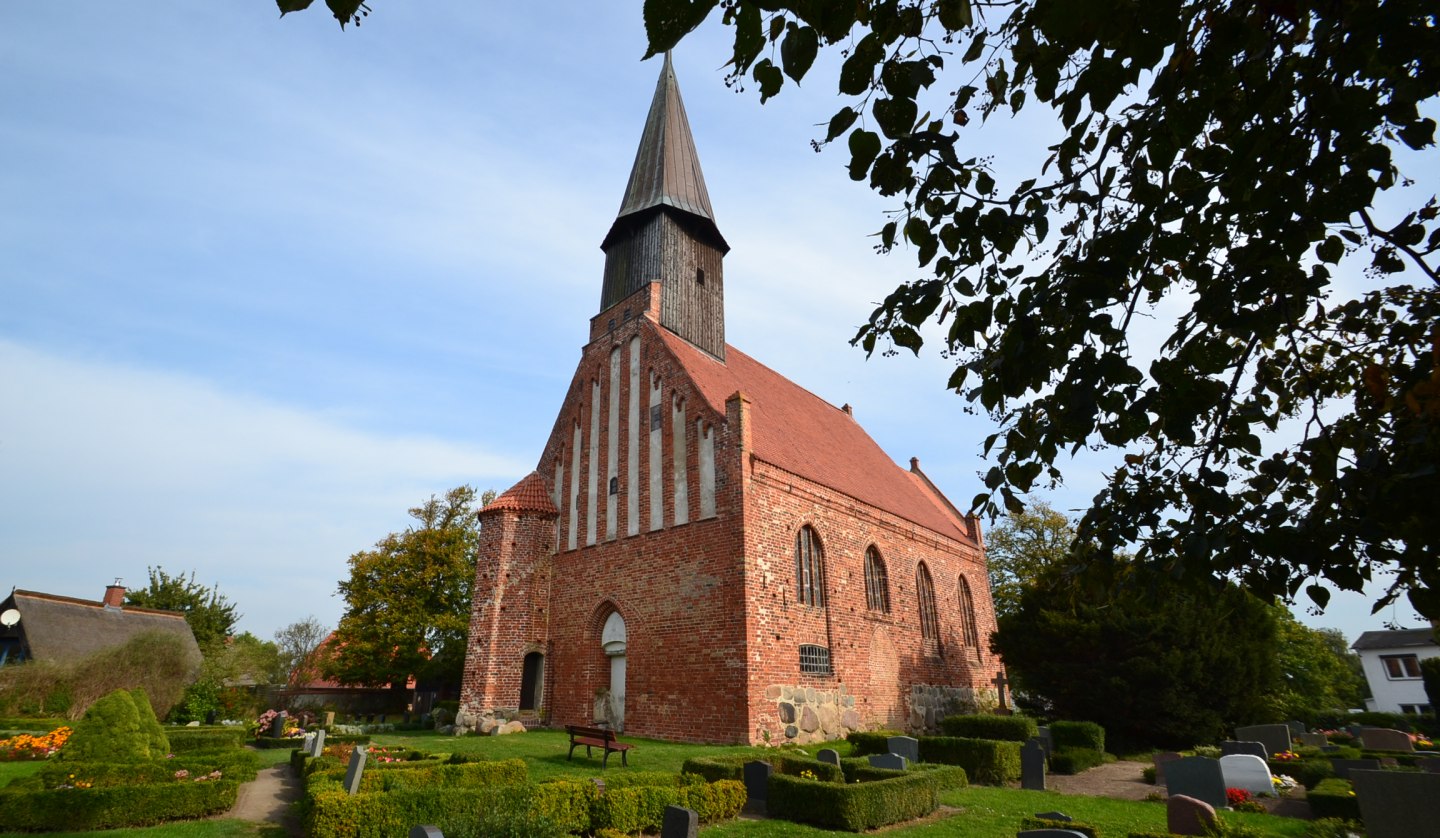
x=344, y=10
x=1330, y=250
x=841, y=122
x=955, y=14
x=858, y=71
x=1318, y=594
x=288, y=6
x=895, y=116
x=667, y=21
x=798, y=51
x=864, y=148
x=769, y=78
x=977, y=46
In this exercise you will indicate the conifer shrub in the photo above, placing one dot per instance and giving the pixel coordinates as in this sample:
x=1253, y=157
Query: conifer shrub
x=989, y=726
x=149, y=725
x=109, y=732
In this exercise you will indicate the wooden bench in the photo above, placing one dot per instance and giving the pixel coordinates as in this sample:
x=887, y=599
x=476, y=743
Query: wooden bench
x=596, y=737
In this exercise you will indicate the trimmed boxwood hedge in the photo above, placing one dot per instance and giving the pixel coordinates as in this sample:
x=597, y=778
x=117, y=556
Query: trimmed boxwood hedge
x=733, y=767
x=854, y=807
x=986, y=726
x=240, y=766
x=1075, y=760
x=986, y=761
x=1333, y=798
x=84, y=810
x=186, y=739
x=1077, y=735
x=864, y=743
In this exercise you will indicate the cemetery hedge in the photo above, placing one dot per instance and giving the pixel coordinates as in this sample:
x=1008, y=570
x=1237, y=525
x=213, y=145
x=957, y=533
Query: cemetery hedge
x=112, y=807
x=187, y=739
x=1078, y=735
x=986, y=761
x=732, y=767
x=853, y=807
x=1075, y=760
x=1333, y=798
x=985, y=726
x=864, y=743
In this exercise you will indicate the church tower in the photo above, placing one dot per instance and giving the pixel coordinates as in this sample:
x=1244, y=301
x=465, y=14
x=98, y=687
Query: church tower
x=665, y=231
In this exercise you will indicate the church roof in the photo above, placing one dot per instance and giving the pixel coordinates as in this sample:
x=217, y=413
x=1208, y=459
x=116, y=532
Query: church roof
x=666, y=172
x=528, y=495
x=801, y=433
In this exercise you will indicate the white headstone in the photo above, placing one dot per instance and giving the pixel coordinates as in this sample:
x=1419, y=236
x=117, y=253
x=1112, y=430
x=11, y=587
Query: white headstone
x=1244, y=771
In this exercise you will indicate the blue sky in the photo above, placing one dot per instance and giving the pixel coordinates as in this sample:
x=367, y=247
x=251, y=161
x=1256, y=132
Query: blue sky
x=264, y=285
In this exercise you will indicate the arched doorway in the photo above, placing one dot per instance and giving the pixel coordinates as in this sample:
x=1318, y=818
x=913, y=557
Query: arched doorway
x=612, y=641
x=532, y=681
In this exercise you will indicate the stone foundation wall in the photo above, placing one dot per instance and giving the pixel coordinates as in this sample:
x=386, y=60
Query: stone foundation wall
x=807, y=714
x=929, y=703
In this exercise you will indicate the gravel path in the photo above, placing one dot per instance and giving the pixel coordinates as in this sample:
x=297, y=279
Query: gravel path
x=267, y=799
x=1120, y=780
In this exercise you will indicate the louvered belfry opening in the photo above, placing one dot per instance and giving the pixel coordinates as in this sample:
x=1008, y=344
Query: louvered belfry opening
x=665, y=231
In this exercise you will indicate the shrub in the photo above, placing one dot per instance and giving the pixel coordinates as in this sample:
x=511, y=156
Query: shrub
x=986, y=761
x=864, y=743
x=1077, y=735
x=716, y=768
x=186, y=739
x=1310, y=772
x=1333, y=828
x=1076, y=760
x=109, y=732
x=83, y=810
x=1030, y=822
x=985, y=726
x=240, y=766
x=1333, y=798
x=733, y=767
x=149, y=725
x=508, y=772
x=500, y=823
x=854, y=807
x=946, y=776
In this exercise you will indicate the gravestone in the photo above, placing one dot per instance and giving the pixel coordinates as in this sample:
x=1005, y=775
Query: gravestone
x=1188, y=816
x=1197, y=777
x=1043, y=732
x=1049, y=833
x=1053, y=816
x=277, y=725
x=426, y=832
x=1296, y=728
x=1343, y=767
x=1254, y=749
x=1275, y=738
x=1160, y=760
x=329, y=718
x=209, y=717
x=318, y=746
x=1032, y=765
x=680, y=823
x=1248, y=772
x=354, y=771
x=757, y=780
x=1398, y=804
x=308, y=744
x=905, y=746
x=1430, y=765
x=1313, y=740
x=829, y=755
x=892, y=761
x=1385, y=739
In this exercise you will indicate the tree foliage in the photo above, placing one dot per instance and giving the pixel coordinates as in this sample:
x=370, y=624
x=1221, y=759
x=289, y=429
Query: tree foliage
x=408, y=599
x=297, y=644
x=1317, y=675
x=1022, y=547
x=1158, y=662
x=211, y=616
x=1213, y=164
x=1430, y=672
x=345, y=11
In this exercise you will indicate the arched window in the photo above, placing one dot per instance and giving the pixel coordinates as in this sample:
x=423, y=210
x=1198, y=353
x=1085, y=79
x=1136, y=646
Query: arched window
x=967, y=615
x=877, y=586
x=809, y=568
x=925, y=592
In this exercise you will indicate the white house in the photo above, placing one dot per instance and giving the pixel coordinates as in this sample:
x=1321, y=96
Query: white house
x=1392, y=667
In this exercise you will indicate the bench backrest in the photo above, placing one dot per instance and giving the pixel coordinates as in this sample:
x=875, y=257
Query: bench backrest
x=594, y=732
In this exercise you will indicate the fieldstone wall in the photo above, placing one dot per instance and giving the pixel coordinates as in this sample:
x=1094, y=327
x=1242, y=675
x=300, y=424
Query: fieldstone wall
x=929, y=703
x=495, y=722
x=807, y=714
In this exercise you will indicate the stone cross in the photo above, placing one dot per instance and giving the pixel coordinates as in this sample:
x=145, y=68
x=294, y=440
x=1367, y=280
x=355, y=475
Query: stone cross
x=1001, y=682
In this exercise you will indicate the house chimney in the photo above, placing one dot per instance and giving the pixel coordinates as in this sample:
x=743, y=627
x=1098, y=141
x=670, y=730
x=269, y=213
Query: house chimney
x=114, y=595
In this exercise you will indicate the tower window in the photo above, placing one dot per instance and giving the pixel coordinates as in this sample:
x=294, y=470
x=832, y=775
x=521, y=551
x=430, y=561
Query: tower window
x=699, y=276
x=614, y=485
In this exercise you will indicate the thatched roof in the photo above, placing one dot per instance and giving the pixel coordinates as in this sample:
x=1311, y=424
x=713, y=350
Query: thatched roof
x=61, y=628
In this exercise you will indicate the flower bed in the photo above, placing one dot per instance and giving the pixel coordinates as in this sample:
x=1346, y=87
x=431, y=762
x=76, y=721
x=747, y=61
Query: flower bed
x=30, y=746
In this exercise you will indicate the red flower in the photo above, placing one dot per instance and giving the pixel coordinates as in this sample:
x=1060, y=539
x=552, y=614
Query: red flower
x=1237, y=796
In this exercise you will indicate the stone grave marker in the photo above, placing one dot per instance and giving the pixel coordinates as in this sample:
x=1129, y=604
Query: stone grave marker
x=1232, y=746
x=318, y=746
x=308, y=744
x=1049, y=833
x=1343, y=767
x=426, y=832
x=1043, y=732
x=355, y=770
x=757, y=780
x=1385, y=739
x=329, y=718
x=829, y=755
x=1430, y=765
x=277, y=725
x=1297, y=727
x=1160, y=760
x=1032, y=765
x=1187, y=816
x=209, y=717
x=1397, y=804
x=1313, y=740
x=1053, y=816
x=680, y=823
x=905, y=746
x=1248, y=772
x=892, y=761
x=1275, y=738
x=1197, y=777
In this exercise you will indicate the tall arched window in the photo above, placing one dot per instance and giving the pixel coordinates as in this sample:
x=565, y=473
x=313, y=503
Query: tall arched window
x=877, y=586
x=925, y=592
x=809, y=568
x=967, y=615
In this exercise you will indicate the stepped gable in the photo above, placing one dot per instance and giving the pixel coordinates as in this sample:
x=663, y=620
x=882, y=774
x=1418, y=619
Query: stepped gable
x=801, y=433
x=528, y=495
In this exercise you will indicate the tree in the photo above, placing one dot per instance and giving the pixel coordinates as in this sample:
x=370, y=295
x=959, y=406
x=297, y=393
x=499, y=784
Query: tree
x=1157, y=662
x=1317, y=677
x=1021, y=548
x=241, y=661
x=1430, y=672
x=211, y=616
x=298, y=643
x=1213, y=164
x=408, y=599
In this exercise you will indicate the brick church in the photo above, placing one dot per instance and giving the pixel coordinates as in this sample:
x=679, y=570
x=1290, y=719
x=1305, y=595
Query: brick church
x=706, y=550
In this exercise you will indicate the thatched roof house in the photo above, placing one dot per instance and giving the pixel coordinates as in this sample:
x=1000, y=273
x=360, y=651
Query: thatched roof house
x=36, y=626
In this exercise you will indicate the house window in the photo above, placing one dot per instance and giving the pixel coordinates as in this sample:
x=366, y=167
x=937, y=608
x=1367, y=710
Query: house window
x=877, y=587
x=1415, y=709
x=809, y=568
x=925, y=592
x=1401, y=667
x=967, y=615
x=814, y=660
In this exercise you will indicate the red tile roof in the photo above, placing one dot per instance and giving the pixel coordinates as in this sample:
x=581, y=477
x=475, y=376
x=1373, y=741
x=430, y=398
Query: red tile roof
x=528, y=495
x=801, y=433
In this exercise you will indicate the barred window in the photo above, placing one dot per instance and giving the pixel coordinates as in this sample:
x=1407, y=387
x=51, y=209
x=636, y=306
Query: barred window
x=925, y=592
x=809, y=568
x=814, y=660
x=877, y=586
x=967, y=615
